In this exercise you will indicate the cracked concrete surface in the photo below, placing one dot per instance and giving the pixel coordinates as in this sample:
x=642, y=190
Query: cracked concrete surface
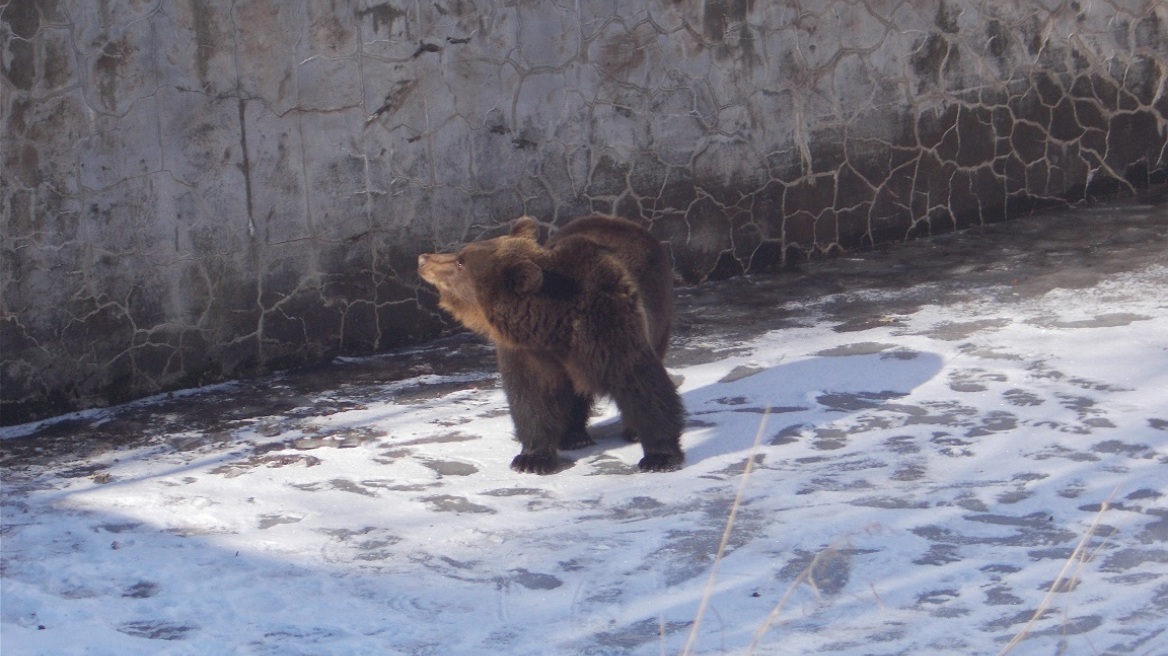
x=198, y=191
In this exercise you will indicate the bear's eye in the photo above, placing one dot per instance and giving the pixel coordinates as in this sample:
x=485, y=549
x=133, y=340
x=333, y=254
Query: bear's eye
x=460, y=262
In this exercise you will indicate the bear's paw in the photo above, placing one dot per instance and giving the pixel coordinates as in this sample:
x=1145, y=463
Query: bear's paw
x=541, y=463
x=661, y=462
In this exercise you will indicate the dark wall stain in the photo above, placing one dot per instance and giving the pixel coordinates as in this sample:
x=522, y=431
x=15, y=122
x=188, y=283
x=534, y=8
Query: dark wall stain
x=205, y=40
x=382, y=14
x=23, y=18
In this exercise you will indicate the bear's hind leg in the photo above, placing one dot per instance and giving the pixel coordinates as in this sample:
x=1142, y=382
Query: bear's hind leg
x=652, y=411
x=543, y=408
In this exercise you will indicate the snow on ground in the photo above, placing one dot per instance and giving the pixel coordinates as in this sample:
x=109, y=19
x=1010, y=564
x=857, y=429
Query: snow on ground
x=929, y=479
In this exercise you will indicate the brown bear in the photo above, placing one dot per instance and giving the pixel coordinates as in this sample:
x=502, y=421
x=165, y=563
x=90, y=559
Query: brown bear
x=586, y=315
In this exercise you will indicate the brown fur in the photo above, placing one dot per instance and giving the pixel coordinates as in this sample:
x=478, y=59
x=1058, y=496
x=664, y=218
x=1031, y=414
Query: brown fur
x=587, y=314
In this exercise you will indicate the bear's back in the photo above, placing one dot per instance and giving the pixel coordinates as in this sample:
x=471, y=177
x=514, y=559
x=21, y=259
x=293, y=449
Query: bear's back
x=642, y=256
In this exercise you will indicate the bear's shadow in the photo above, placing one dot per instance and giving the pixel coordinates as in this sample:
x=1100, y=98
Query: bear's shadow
x=724, y=417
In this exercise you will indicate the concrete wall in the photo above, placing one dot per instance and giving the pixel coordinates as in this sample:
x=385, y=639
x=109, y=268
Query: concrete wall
x=200, y=189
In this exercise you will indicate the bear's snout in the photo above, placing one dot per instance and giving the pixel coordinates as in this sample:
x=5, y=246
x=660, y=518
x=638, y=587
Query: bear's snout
x=425, y=267
x=437, y=268
x=431, y=260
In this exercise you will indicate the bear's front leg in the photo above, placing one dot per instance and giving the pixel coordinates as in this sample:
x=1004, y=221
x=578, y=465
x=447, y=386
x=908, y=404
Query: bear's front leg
x=544, y=408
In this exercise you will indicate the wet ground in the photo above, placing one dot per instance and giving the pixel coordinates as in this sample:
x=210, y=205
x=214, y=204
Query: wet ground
x=944, y=432
x=1015, y=261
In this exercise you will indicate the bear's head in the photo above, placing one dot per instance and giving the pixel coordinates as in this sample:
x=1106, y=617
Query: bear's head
x=486, y=273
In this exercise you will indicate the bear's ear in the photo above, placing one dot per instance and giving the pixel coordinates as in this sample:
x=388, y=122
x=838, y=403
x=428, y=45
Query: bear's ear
x=525, y=227
x=523, y=277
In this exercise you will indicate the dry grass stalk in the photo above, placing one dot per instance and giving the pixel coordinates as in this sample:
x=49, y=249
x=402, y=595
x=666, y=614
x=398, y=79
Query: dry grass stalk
x=692, y=640
x=1078, y=559
x=806, y=577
